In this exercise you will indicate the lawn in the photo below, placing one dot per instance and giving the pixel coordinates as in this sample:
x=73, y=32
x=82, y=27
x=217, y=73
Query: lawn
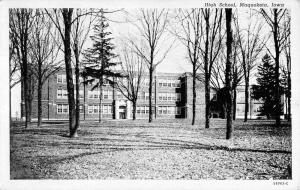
x=126, y=149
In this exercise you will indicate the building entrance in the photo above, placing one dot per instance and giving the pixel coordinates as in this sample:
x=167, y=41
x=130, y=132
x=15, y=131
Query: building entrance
x=122, y=112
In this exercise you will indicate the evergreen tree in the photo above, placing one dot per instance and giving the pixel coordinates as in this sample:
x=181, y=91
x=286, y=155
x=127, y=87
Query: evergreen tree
x=266, y=88
x=99, y=59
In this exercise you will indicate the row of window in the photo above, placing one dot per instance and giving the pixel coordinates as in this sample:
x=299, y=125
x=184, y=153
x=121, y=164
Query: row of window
x=61, y=78
x=161, y=96
x=162, y=110
x=169, y=96
x=64, y=108
x=169, y=110
x=165, y=83
x=169, y=83
x=63, y=94
x=92, y=109
x=108, y=94
x=107, y=109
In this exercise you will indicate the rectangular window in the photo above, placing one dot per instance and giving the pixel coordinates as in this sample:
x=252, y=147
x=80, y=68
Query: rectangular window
x=96, y=94
x=177, y=83
x=65, y=108
x=178, y=110
x=81, y=108
x=90, y=94
x=143, y=109
x=169, y=110
x=62, y=94
x=105, y=94
x=59, y=108
x=90, y=109
x=65, y=94
x=169, y=97
x=59, y=93
x=160, y=110
x=165, y=110
x=62, y=108
x=147, y=109
x=165, y=84
x=138, y=109
x=142, y=95
x=96, y=109
x=178, y=95
x=165, y=96
x=81, y=94
x=173, y=96
x=110, y=94
x=110, y=109
x=59, y=78
x=160, y=96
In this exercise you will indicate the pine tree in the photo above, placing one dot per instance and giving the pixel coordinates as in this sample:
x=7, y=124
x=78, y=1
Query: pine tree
x=266, y=88
x=99, y=59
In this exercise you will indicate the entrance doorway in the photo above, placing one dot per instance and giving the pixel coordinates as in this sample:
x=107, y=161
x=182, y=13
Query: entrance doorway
x=122, y=112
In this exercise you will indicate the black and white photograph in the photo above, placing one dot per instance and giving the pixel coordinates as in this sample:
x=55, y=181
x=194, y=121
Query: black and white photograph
x=152, y=95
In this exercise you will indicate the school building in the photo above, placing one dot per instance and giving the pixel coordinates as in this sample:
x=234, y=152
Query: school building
x=172, y=98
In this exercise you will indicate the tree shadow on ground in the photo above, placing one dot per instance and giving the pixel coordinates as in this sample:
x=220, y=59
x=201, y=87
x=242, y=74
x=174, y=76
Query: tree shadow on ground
x=168, y=144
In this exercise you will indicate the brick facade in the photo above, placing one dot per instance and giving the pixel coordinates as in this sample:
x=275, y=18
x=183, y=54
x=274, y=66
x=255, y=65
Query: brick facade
x=172, y=95
x=172, y=98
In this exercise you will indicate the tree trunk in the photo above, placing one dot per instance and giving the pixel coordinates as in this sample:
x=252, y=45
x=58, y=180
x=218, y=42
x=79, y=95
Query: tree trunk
x=246, y=99
x=155, y=98
x=48, y=94
x=277, y=94
x=27, y=92
x=100, y=101
x=40, y=85
x=234, y=104
x=67, y=15
x=289, y=89
x=207, y=100
x=133, y=110
x=228, y=74
x=84, y=96
x=206, y=72
x=194, y=95
x=76, y=53
x=150, y=93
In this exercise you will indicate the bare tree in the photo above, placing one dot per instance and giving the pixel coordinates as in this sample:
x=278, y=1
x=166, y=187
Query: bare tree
x=218, y=73
x=43, y=53
x=152, y=26
x=211, y=50
x=274, y=18
x=287, y=52
x=189, y=34
x=20, y=23
x=228, y=74
x=14, y=67
x=62, y=19
x=80, y=31
x=132, y=68
x=251, y=43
